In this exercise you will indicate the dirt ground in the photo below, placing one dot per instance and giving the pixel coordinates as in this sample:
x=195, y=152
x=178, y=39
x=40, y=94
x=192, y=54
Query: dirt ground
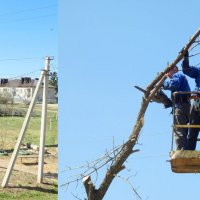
x=25, y=170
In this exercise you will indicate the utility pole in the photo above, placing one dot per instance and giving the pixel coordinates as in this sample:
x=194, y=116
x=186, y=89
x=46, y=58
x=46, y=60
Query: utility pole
x=44, y=73
x=43, y=121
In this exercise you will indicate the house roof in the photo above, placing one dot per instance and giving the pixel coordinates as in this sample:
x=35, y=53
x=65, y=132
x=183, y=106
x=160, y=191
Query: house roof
x=19, y=83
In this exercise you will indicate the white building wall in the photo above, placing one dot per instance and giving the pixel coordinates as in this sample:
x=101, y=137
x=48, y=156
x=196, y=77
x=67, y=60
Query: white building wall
x=24, y=94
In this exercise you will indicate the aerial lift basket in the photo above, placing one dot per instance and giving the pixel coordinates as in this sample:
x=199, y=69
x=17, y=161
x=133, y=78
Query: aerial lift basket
x=184, y=161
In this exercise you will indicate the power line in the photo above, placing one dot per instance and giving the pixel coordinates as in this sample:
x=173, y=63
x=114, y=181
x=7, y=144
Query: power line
x=27, y=58
x=25, y=74
x=26, y=19
x=18, y=59
x=28, y=73
x=27, y=10
x=12, y=77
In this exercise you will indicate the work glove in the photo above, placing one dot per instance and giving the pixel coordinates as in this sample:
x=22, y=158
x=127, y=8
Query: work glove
x=186, y=54
x=165, y=85
x=185, y=63
x=168, y=104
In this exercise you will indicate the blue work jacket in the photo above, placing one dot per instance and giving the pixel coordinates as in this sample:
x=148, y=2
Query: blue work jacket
x=193, y=72
x=178, y=83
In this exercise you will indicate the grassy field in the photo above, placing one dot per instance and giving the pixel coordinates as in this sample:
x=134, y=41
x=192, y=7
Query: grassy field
x=11, y=126
x=31, y=195
x=25, y=186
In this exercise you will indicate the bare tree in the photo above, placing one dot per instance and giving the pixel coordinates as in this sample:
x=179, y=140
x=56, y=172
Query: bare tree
x=121, y=154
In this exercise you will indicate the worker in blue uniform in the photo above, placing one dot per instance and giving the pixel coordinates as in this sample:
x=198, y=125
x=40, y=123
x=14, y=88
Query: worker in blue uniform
x=178, y=83
x=193, y=72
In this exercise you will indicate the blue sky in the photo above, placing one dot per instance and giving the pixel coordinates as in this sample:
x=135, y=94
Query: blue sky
x=28, y=35
x=105, y=48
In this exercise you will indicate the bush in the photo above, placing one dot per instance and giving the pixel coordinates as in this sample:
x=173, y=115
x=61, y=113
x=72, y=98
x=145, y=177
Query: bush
x=6, y=98
x=11, y=111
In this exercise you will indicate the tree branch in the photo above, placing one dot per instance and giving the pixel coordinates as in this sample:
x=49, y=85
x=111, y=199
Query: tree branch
x=174, y=63
x=89, y=187
x=117, y=165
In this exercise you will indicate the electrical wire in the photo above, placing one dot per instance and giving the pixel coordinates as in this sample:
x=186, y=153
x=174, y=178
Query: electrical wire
x=28, y=73
x=27, y=19
x=19, y=59
x=27, y=10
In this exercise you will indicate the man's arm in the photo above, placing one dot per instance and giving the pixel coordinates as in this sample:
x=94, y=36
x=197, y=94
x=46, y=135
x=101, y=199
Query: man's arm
x=172, y=84
x=188, y=70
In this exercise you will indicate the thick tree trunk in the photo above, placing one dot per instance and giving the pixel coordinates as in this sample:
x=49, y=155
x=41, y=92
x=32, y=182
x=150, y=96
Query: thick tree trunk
x=117, y=166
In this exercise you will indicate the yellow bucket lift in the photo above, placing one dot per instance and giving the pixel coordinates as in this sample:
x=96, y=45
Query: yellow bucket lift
x=184, y=161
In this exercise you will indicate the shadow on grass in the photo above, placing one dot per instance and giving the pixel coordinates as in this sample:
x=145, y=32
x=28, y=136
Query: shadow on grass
x=51, y=145
x=35, y=188
x=47, y=145
x=51, y=175
x=29, y=163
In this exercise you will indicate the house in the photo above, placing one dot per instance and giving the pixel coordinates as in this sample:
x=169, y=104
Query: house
x=22, y=90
